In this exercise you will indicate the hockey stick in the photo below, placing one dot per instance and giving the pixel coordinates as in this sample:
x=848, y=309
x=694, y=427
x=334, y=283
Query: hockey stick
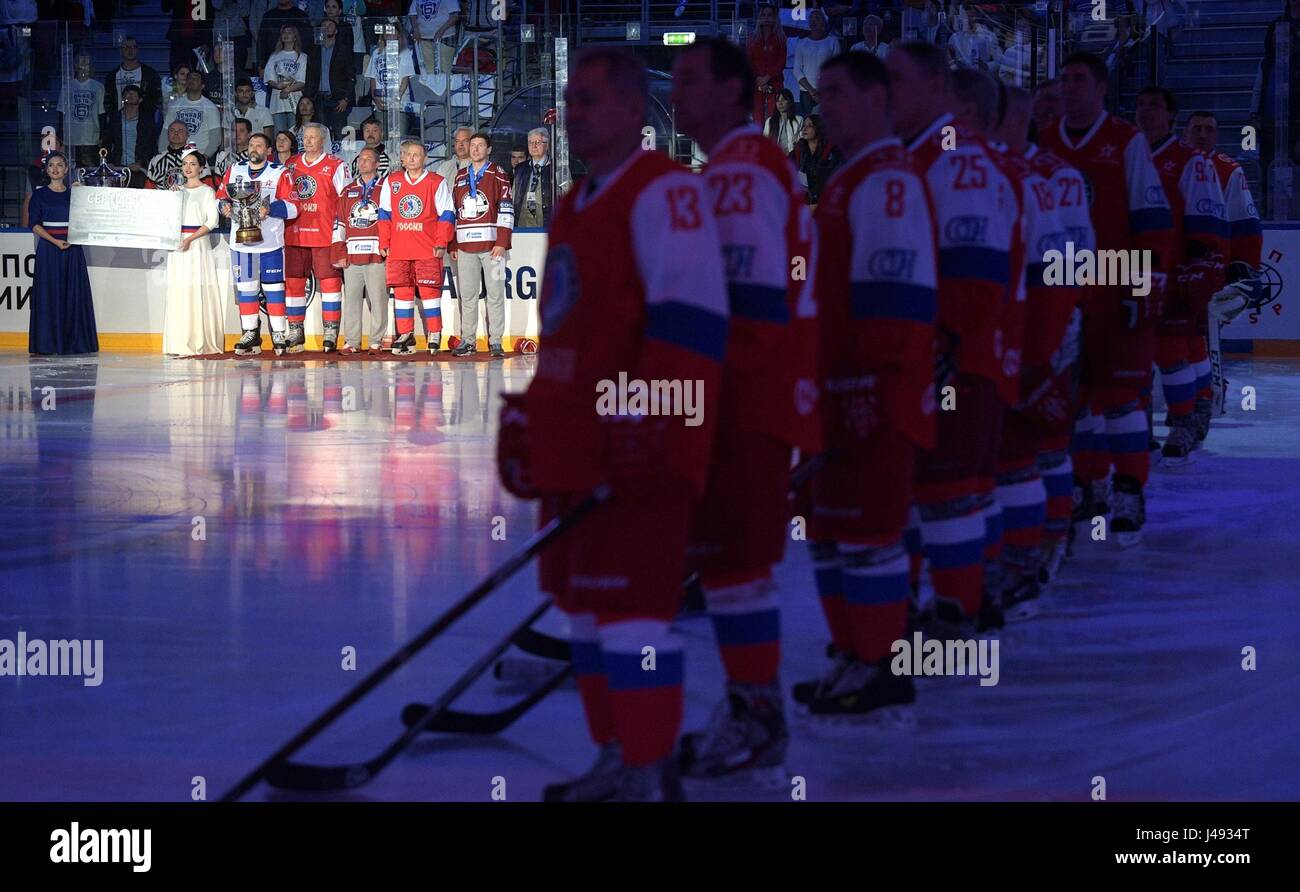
x=550, y=647
x=280, y=772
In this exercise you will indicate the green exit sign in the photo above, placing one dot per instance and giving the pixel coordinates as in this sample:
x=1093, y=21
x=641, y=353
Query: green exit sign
x=679, y=38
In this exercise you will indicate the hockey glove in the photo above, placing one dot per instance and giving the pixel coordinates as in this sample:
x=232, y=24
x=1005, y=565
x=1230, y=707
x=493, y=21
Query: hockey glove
x=1243, y=294
x=512, y=448
x=1143, y=310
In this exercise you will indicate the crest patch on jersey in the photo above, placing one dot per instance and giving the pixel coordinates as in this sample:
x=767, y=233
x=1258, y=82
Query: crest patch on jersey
x=475, y=205
x=305, y=186
x=363, y=215
x=560, y=288
x=410, y=206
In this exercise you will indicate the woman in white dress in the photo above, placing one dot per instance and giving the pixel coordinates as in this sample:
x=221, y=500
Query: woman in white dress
x=194, y=320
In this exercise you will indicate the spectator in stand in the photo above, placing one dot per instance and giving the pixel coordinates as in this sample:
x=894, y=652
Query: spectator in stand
x=1017, y=60
x=231, y=22
x=809, y=55
x=517, y=157
x=871, y=43
x=258, y=117
x=243, y=129
x=173, y=86
x=432, y=22
x=199, y=114
x=286, y=75
x=1264, y=102
x=532, y=183
x=305, y=114
x=815, y=158
x=133, y=71
x=131, y=135
x=972, y=46
x=214, y=86
x=286, y=146
x=186, y=32
x=344, y=36
x=168, y=161
x=373, y=136
x=460, y=158
x=351, y=22
x=270, y=35
x=377, y=75
x=1048, y=106
x=784, y=126
x=767, y=53
x=81, y=116
x=331, y=77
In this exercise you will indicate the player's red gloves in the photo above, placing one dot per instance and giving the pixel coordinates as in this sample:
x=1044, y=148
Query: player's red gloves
x=512, y=448
x=1144, y=311
x=1200, y=280
x=635, y=447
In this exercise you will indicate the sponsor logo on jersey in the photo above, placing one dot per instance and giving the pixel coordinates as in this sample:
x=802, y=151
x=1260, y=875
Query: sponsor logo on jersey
x=560, y=288
x=474, y=206
x=1155, y=195
x=410, y=206
x=967, y=230
x=1211, y=207
x=305, y=186
x=892, y=263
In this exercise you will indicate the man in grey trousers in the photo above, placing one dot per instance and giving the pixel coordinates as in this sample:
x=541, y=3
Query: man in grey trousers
x=356, y=250
x=485, y=220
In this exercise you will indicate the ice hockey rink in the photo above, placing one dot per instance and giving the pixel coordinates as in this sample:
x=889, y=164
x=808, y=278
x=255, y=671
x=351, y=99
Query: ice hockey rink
x=345, y=505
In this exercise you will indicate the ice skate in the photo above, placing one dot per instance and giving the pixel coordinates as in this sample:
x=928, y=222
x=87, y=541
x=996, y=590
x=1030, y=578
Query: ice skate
x=746, y=737
x=805, y=692
x=1020, y=597
x=1130, y=511
x=659, y=782
x=250, y=343
x=404, y=345
x=435, y=342
x=331, y=337
x=278, y=342
x=599, y=784
x=1177, y=451
x=1201, y=414
x=297, y=338
x=866, y=693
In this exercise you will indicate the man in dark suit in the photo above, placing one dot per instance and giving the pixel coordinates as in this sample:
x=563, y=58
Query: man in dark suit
x=331, y=78
x=133, y=71
x=532, y=183
x=130, y=136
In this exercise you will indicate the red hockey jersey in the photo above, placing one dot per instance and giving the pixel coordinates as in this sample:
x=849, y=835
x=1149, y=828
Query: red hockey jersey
x=1245, y=234
x=976, y=209
x=316, y=188
x=766, y=230
x=356, y=227
x=1049, y=308
x=634, y=285
x=1199, y=213
x=415, y=216
x=1126, y=202
x=485, y=216
x=878, y=289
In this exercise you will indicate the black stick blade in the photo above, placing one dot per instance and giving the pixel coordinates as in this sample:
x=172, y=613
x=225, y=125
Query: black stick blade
x=303, y=778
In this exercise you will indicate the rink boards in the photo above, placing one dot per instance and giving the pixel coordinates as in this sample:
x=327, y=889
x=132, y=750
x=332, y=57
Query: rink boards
x=130, y=292
x=130, y=289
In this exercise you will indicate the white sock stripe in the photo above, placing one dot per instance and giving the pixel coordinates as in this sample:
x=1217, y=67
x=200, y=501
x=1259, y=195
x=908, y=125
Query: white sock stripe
x=892, y=567
x=1129, y=423
x=630, y=636
x=749, y=597
x=953, y=529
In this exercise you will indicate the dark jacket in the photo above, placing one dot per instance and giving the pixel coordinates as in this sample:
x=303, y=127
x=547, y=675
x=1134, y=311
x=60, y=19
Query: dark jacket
x=1268, y=91
x=519, y=188
x=816, y=166
x=342, y=72
x=150, y=91
x=146, y=139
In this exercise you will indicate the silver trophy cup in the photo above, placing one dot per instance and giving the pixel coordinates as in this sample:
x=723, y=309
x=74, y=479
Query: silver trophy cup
x=245, y=202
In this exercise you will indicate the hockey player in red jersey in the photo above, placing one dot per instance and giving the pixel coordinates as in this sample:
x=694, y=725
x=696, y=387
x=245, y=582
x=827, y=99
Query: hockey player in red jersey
x=318, y=179
x=976, y=214
x=767, y=408
x=416, y=224
x=634, y=296
x=1129, y=214
x=1246, y=240
x=1200, y=247
x=1051, y=343
x=877, y=294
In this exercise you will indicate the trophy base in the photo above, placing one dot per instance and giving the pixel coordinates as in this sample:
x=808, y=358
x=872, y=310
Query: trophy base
x=248, y=236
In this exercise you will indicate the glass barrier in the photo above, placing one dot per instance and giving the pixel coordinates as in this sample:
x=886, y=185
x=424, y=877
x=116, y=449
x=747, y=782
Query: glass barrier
x=377, y=80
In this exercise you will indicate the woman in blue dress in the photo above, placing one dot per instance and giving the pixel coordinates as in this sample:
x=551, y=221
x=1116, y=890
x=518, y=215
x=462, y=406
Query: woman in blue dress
x=63, y=313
